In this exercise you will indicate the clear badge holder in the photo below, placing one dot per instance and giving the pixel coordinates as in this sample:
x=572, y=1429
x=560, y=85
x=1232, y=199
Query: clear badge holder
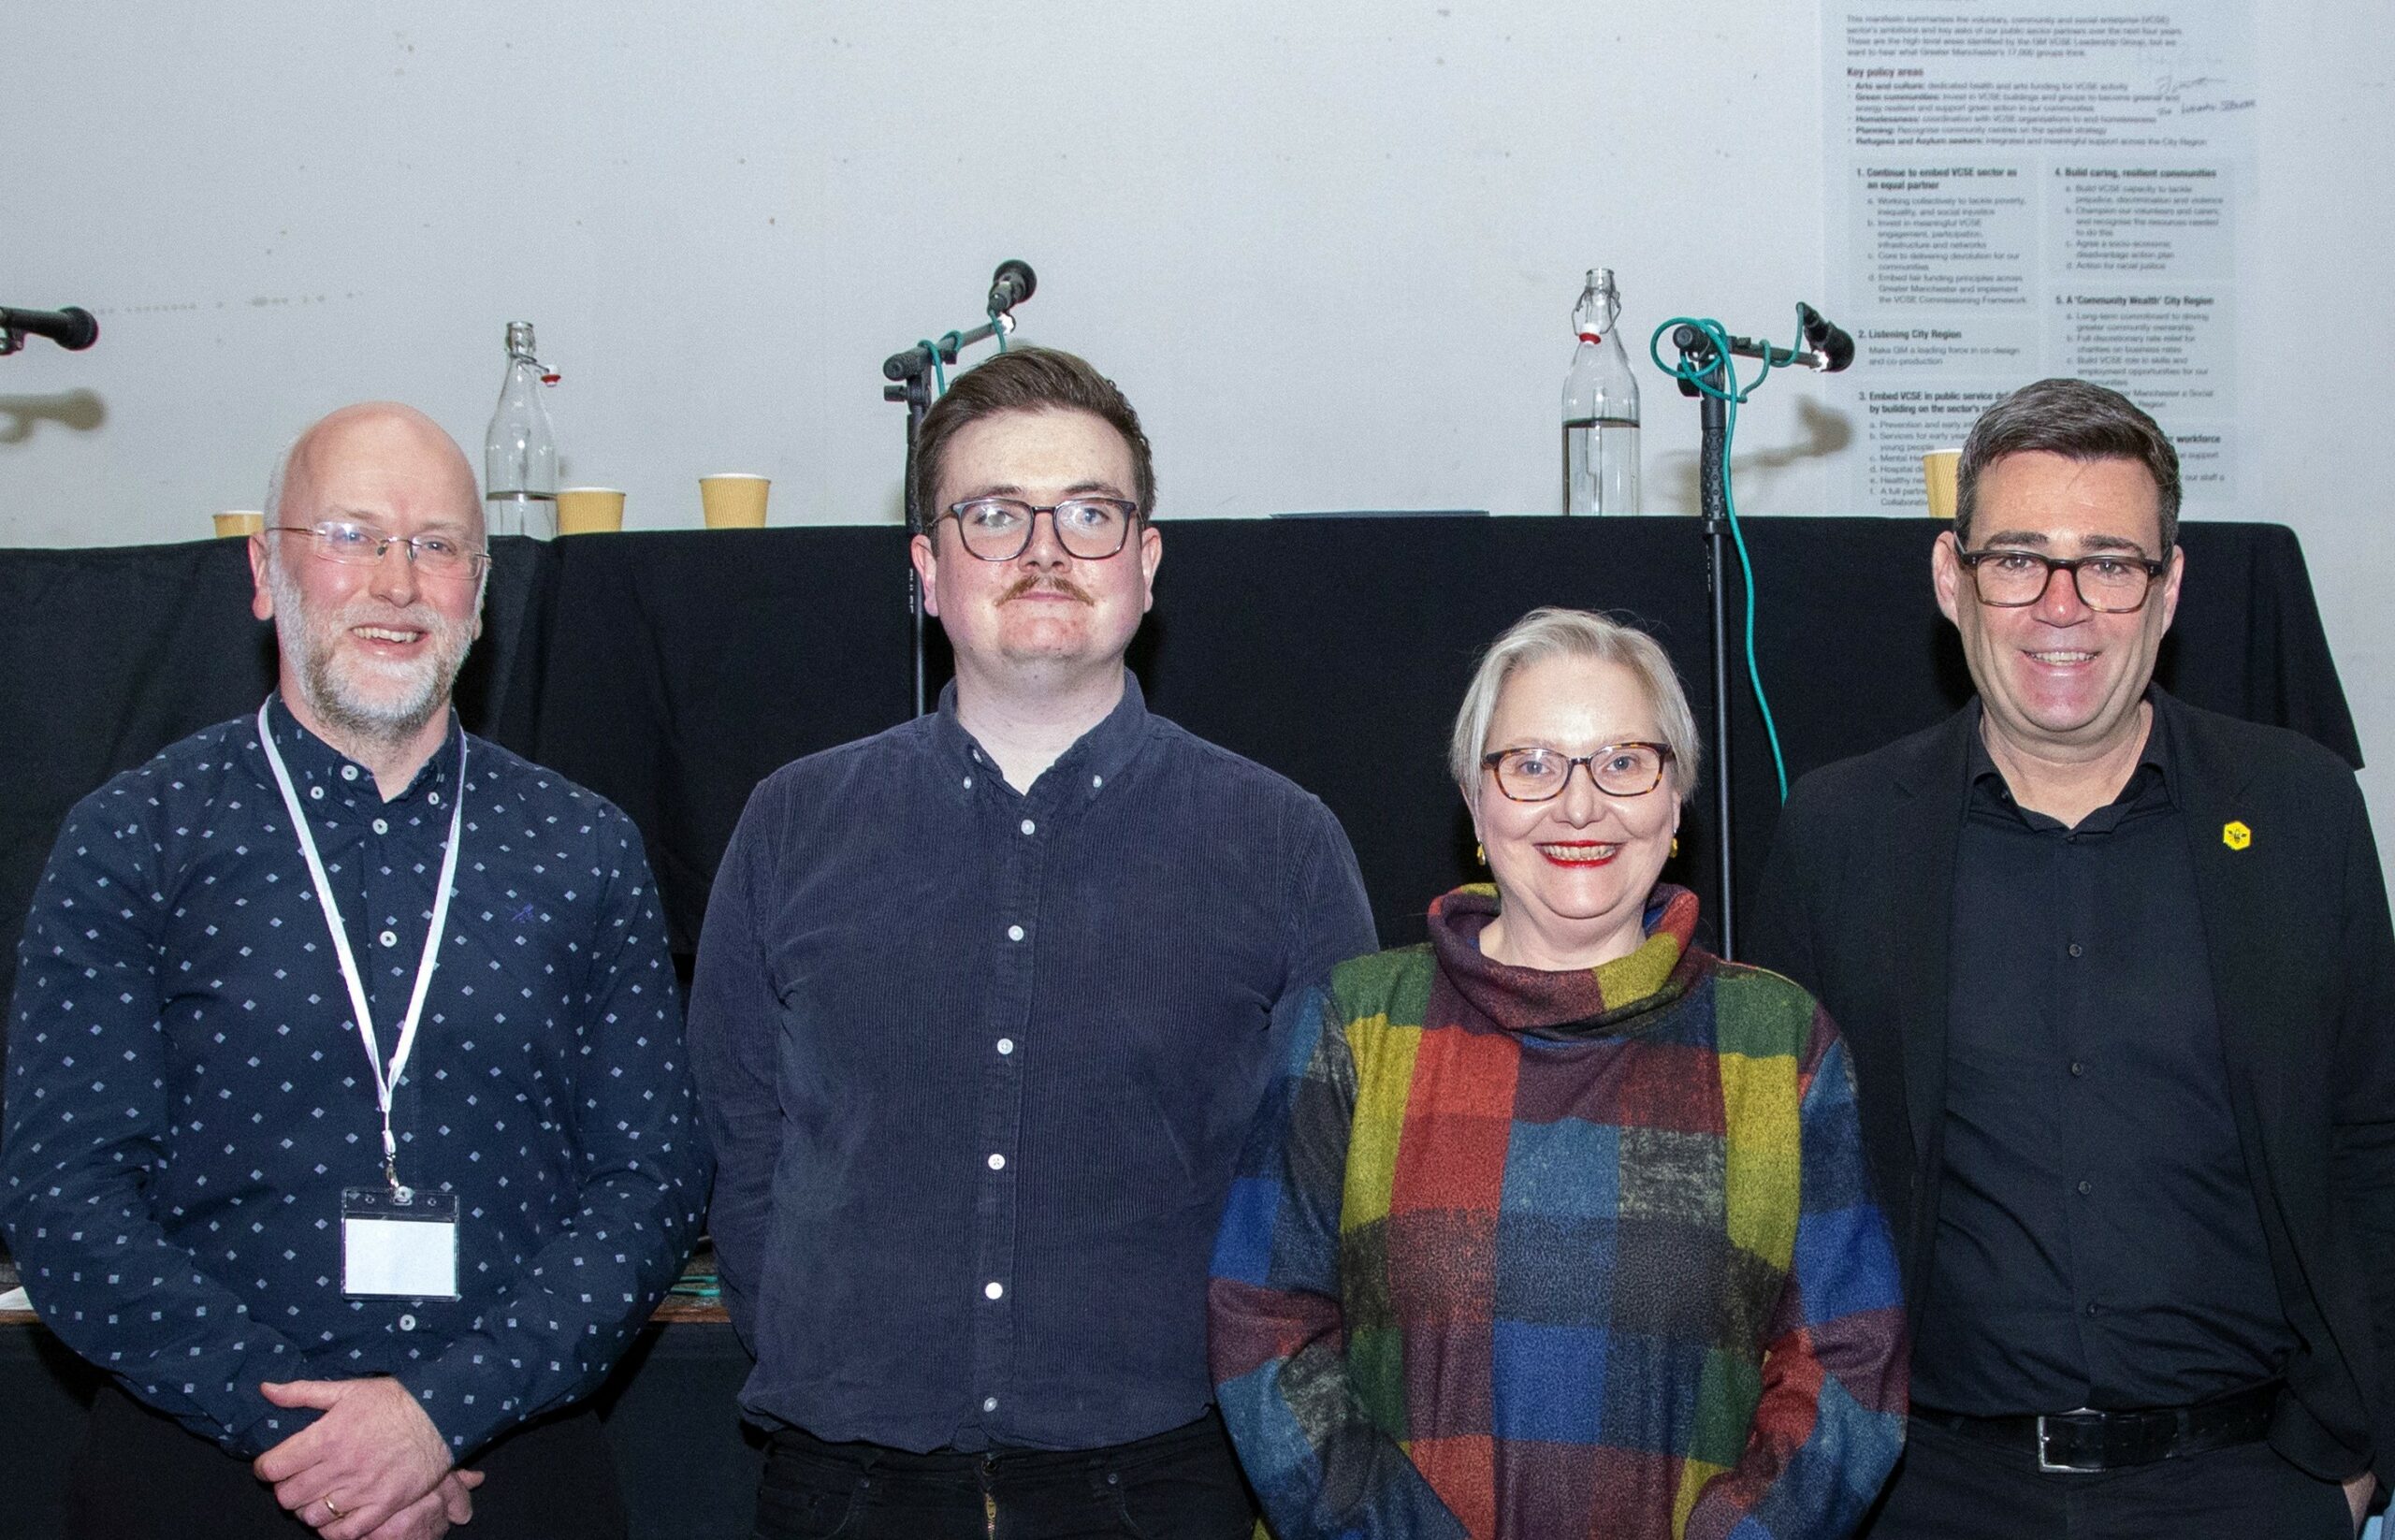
x=398, y=1244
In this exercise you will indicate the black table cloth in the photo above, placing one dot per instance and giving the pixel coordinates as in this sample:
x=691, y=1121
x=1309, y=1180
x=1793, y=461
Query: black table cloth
x=670, y=672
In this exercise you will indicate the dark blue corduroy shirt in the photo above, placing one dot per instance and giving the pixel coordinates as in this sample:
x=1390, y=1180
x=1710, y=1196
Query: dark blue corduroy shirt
x=977, y=1065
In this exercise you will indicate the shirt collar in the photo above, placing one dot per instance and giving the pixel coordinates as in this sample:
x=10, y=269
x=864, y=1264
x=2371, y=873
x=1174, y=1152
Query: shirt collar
x=1096, y=758
x=2152, y=777
x=313, y=761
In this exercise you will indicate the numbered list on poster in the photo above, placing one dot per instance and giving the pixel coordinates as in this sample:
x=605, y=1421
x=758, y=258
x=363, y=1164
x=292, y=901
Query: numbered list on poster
x=2013, y=196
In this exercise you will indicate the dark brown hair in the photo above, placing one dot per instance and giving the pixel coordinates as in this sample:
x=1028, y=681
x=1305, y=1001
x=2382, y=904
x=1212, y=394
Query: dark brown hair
x=2078, y=421
x=1025, y=379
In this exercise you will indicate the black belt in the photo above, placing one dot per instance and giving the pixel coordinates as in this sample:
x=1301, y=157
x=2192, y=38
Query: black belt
x=2086, y=1441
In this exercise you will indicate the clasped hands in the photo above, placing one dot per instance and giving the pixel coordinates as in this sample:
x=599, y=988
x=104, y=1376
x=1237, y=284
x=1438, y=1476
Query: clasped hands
x=373, y=1467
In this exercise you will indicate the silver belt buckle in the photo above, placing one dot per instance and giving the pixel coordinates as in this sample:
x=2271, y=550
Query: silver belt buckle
x=2049, y=1467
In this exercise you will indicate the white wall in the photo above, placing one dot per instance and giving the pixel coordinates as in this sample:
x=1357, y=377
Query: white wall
x=1329, y=248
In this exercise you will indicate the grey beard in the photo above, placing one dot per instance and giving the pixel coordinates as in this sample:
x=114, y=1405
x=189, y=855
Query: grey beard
x=361, y=723
x=386, y=724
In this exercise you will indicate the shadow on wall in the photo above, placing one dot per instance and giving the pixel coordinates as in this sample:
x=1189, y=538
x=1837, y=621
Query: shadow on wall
x=1825, y=433
x=79, y=410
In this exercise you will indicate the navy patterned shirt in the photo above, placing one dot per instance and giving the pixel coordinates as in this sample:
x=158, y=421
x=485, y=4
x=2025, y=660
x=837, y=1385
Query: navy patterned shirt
x=188, y=1095
x=977, y=1065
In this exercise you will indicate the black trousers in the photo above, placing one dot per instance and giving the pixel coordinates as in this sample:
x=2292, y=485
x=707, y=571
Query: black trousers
x=138, y=1476
x=1950, y=1488
x=1183, y=1485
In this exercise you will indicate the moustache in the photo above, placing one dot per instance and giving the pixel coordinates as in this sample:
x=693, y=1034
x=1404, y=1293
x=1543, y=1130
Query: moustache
x=1036, y=583
x=417, y=616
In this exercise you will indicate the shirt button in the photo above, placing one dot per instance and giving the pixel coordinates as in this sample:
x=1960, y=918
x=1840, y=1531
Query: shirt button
x=1029, y=827
x=317, y=793
x=381, y=826
x=349, y=771
x=968, y=783
x=2094, y=1309
x=407, y=1323
x=989, y=1404
x=1097, y=781
x=389, y=938
x=2077, y=1067
x=997, y=1162
x=1015, y=933
x=2075, y=949
x=1005, y=1045
x=433, y=797
x=2085, y=1187
x=992, y=1290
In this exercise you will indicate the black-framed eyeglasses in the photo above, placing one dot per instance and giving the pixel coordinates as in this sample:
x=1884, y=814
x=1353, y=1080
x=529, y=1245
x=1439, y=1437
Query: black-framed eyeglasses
x=1540, y=775
x=2108, y=583
x=355, y=545
x=1089, y=528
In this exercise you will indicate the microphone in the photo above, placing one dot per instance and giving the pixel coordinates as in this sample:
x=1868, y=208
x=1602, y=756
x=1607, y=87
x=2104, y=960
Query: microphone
x=1833, y=347
x=71, y=328
x=1011, y=285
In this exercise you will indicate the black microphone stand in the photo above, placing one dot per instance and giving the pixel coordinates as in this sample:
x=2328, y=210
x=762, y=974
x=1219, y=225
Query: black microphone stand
x=911, y=370
x=1705, y=375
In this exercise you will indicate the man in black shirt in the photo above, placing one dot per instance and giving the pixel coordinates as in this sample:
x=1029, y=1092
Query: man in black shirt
x=2118, y=977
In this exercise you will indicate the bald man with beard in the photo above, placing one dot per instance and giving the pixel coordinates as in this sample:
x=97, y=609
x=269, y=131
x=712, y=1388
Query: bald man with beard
x=348, y=1126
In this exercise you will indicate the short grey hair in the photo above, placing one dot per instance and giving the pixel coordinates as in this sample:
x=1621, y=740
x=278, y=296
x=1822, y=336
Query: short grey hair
x=275, y=479
x=1554, y=633
x=273, y=505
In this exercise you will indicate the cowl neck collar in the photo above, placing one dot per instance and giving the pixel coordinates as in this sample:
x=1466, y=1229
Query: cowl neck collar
x=1611, y=999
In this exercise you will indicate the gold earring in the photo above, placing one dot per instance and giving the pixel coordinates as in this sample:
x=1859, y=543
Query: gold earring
x=1480, y=854
x=1676, y=845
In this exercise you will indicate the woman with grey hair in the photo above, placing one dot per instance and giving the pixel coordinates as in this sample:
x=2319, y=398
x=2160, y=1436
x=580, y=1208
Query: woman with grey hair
x=1558, y=1225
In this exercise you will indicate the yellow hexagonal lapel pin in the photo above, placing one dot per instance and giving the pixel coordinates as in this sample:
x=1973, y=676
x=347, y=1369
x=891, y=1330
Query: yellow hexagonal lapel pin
x=2235, y=834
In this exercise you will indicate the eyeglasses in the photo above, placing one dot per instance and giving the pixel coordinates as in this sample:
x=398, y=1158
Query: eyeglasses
x=1540, y=775
x=355, y=545
x=1089, y=528
x=2108, y=584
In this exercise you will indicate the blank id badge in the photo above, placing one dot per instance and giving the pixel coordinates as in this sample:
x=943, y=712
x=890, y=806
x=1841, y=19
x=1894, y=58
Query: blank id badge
x=398, y=1242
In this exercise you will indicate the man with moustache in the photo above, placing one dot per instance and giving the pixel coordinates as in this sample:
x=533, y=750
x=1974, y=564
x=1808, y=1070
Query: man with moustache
x=344, y=1227
x=2119, y=980
x=981, y=1019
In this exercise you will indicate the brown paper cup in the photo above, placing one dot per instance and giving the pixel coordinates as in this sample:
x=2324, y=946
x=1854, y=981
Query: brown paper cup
x=590, y=510
x=239, y=524
x=1938, y=472
x=734, y=502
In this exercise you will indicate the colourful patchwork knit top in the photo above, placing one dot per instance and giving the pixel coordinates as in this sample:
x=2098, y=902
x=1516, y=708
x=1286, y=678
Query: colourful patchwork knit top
x=1529, y=1255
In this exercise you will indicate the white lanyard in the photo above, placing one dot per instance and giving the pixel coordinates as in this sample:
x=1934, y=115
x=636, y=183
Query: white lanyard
x=385, y=1083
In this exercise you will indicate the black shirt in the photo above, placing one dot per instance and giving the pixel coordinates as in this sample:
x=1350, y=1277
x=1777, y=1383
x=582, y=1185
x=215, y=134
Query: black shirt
x=2097, y=1243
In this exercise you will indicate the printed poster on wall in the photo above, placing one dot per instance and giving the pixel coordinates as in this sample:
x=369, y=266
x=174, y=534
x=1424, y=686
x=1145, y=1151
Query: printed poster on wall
x=2016, y=194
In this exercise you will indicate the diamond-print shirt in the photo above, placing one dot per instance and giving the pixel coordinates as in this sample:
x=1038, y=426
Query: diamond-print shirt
x=188, y=1095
